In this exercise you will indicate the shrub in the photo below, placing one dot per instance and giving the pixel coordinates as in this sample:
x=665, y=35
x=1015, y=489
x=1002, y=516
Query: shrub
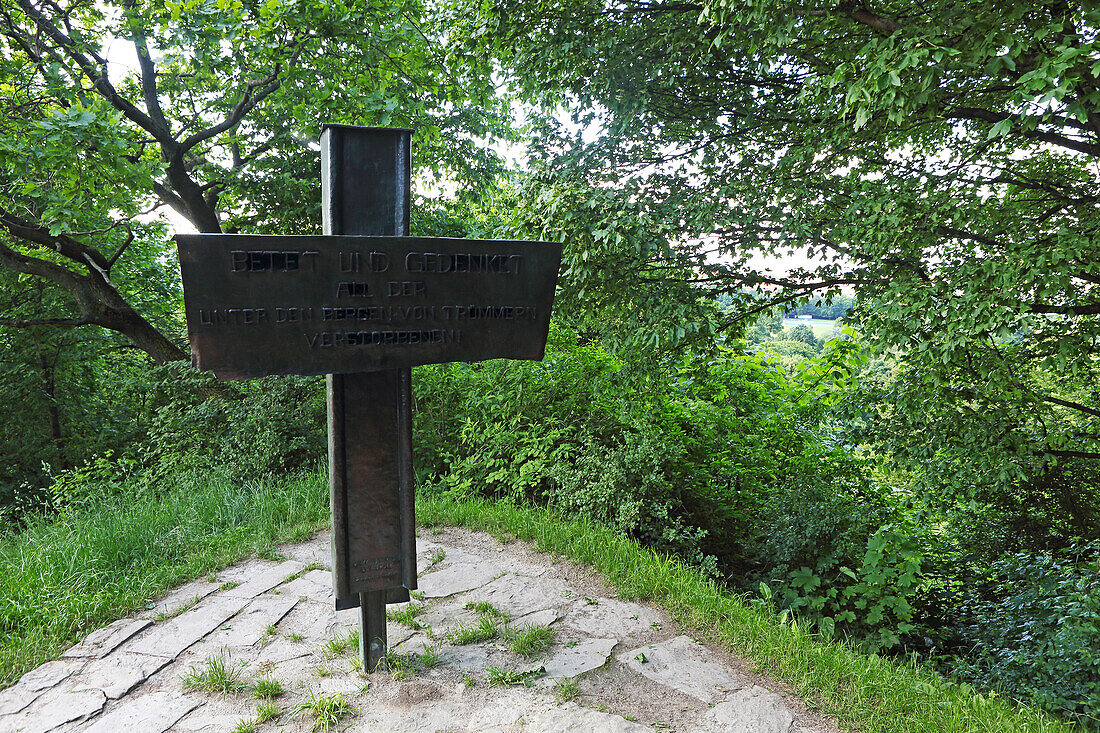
x=1033, y=628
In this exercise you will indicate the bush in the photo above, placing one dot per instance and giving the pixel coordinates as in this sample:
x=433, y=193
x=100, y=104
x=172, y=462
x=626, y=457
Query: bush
x=257, y=428
x=1033, y=628
x=687, y=460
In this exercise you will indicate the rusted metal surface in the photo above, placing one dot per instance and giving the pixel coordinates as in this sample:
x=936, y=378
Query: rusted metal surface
x=371, y=495
x=258, y=305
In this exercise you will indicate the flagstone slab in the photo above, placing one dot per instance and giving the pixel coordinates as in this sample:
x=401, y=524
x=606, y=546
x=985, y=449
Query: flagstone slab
x=102, y=642
x=154, y=712
x=170, y=638
x=519, y=595
x=684, y=665
x=749, y=710
x=119, y=673
x=315, y=551
x=180, y=598
x=250, y=625
x=316, y=585
x=35, y=683
x=611, y=617
x=584, y=656
x=545, y=617
x=577, y=719
x=53, y=709
x=457, y=578
x=264, y=580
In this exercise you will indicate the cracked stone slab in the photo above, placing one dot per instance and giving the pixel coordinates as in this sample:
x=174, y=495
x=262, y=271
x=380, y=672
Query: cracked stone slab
x=545, y=617
x=749, y=710
x=583, y=657
x=684, y=665
x=102, y=642
x=611, y=617
x=170, y=638
x=54, y=709
x=316, y=585
x=457, y=578
x=469, y=657
x=519, y=595
x=34, y=683
x=573, y=718
x=119, y=673
x=281, y=650
x=250, y=625
x=445, y=618
x=265, y=580
x=431, y=716
x=181, y=597
x=152, y=713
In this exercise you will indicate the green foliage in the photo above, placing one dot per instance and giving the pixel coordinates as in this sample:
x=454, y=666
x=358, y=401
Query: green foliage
x=936, y=159
x=873, y=599
x=686, y=463
x=264, y=427
x=1033, y=625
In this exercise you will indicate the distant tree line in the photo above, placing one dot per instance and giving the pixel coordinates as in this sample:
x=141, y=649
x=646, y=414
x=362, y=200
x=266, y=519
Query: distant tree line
x=829, y=310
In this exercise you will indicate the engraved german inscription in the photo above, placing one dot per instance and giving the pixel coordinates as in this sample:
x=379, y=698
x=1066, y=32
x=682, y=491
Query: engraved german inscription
x=336, y=304
x=258, y=260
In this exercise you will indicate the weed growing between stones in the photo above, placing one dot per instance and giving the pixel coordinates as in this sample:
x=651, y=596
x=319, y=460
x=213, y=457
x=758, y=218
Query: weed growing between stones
x=434, y=559
x=485, y=629
x=266, y=711
x=484, y=608
x=326, y=710
x=501, y=676
x=342, y=644
x=217, y=674
x=400, y=665
x=566, y=689
x=406, y=615
x=531, y=642
x=429, y=656
x=245, y=725
x=268, y=688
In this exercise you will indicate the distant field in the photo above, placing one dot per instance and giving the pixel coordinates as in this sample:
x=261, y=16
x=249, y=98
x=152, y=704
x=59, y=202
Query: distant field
x=821, y=327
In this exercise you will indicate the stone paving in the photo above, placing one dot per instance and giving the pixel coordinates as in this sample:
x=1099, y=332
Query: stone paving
x=611, y=665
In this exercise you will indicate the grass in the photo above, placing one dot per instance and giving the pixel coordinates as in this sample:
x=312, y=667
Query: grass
x=495, y=676
x=65, y=575
x=268, y=688
x=245, y=725
x=342, y=644
x=485, y=628
x=863, y=692
x=266, y=711
x=406, y=615
x=400, y=666
x=326, y=710
x=429, y=655
x=566, y=689
x=217, y=674
x=531, y=642
x=484, y=608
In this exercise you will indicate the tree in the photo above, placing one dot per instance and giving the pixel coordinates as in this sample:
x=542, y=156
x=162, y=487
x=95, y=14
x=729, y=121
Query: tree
x=938, y=158
x=215, y=120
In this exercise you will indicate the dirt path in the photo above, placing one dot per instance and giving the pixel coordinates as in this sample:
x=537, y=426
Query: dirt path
x=608, y=665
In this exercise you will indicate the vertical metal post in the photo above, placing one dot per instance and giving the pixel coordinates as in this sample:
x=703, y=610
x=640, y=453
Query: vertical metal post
x=366, y=190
